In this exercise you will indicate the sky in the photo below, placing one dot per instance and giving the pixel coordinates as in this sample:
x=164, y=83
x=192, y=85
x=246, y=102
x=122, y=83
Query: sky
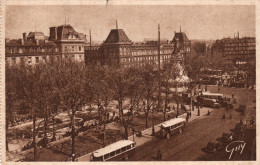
x=139, y=22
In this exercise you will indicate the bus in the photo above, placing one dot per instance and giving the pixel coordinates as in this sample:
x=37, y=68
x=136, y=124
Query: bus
x=216, y=96
x=212, y=103
x=172, y=126
x=119, y=150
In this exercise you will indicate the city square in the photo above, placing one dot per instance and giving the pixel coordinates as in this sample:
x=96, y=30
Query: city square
x=118, y=91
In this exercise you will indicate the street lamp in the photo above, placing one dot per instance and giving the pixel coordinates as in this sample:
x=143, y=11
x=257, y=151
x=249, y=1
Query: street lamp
x=153, y=132
x=199, y=103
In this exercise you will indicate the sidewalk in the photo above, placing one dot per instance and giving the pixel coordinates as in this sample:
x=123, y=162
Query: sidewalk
x=146, y=134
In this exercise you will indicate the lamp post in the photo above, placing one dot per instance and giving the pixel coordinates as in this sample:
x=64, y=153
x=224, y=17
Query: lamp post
x=199, y=103
x=153, y=132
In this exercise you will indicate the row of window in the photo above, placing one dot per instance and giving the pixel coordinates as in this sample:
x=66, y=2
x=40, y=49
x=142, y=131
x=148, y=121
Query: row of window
x=241, y=44
x=30, y=49
x=240, y=52
x=15, y=60
x=240, y=48
x=150, y=52
x=146, y=58
x=72, y=48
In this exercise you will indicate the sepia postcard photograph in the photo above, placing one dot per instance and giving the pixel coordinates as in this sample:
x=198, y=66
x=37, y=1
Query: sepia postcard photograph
x=151, y=82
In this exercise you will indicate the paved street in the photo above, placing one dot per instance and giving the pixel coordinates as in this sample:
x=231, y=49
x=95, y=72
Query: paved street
x=188, y=145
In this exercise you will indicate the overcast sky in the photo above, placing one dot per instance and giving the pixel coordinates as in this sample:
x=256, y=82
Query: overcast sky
x=138, y=22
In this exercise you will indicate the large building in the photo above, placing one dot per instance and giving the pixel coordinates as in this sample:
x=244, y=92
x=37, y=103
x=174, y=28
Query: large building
x=118, y=49
x=236, y=50
x=64, y=42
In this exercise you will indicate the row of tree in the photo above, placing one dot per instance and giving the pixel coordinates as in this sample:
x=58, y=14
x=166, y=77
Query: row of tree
x=69, y=86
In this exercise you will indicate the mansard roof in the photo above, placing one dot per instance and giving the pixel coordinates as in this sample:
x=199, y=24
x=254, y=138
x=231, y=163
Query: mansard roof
x=117, y=36
x=181, y=36
x=64, y=31
x=18, y=43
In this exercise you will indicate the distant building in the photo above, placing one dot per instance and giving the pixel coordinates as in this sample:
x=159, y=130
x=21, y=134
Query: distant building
x=117, y=49
x=64, y=42
x=236, y=50
x=182, y=46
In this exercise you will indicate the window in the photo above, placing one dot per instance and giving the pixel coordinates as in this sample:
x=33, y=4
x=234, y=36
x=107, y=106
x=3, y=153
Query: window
x=79, y=48
x=128, y=147
x=106, y=156
x=37, y=59
x=123, y=149
x=112, y=153
x=29, y=60
x=118, y=151
x=14, y=60
x=44, y=58
x=21, y=59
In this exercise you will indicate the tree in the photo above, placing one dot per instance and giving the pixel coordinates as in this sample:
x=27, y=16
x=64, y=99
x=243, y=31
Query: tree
x=11, y=95
x=101, y=94
x=75, y=94
x=123, y=82
x=149, y=87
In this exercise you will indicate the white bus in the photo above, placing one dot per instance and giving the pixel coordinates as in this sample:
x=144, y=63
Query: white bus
x=117, y=151
x=172, y=126
x=209, y=95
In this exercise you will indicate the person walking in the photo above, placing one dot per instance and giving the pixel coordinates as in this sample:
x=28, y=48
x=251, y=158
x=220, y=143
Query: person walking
x=159, y=155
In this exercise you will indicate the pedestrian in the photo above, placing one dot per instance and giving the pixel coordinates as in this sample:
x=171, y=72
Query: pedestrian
x=169, y=117
x=187, y=117
x=224, y=116
x=241, y=121
x=230, y=117
x=252, y=121
x=208, y=113
x=159, y=155
x=173, y=107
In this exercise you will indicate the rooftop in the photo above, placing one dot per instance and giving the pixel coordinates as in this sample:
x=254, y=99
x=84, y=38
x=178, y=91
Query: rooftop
x=117, y=36
x=29, y=43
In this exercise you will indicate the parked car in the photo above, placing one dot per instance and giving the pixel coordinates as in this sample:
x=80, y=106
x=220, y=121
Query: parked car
x=211, y=148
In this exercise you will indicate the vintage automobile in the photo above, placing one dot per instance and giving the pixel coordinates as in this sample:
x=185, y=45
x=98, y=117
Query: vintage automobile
x=211, y=148
x=225, y=138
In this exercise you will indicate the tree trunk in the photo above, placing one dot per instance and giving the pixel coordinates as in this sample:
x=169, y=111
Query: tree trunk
x=34, y=139
x=73, y=137
x=104, y=137
x=45, y=132
x=53, y=130
x=6, y=140
x=126, y=133
x=177, y=108
x=146, y=119
x=165, y=106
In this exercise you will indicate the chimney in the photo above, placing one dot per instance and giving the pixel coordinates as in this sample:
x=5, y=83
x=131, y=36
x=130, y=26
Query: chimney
x=24, y=36
x=56, y=35
x=22, y=41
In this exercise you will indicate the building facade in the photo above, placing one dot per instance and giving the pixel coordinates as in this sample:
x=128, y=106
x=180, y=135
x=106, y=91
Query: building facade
x=236, y=50
x=64, y=42
x=117, y=49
